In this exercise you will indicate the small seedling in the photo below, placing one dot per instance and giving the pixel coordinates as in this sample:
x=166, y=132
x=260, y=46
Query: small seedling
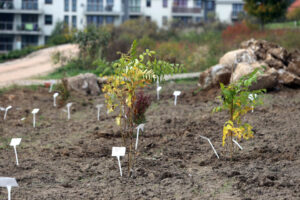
x=6, y=110
x=99, y=106
x=157, y=91
x=14, y=142
x=8, y=183
x=34, y=112
x=176, y=94
x=140, y=127
x=55, y=95
x=212, y=146
x=68, y=109
x=118, y=152
x=238, y=100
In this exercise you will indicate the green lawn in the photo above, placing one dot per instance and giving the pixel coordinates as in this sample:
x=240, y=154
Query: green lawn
x=283, y=25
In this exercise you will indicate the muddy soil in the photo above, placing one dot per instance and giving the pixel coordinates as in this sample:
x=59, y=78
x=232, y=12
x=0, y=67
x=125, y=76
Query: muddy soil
x=62, y=159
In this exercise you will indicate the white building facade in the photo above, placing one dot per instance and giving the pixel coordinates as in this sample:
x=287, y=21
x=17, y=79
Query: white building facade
x=30, y=22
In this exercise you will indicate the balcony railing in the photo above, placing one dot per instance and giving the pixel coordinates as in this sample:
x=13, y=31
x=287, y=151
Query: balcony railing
x=6, y=5
x=95, y=7
x=30, y=5
x=28, y=27
x=135, y=9
x=185, y=10
x=6, y=25
x=6, y=46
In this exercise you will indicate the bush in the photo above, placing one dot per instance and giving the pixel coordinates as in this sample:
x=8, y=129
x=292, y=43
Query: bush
x=19, y=53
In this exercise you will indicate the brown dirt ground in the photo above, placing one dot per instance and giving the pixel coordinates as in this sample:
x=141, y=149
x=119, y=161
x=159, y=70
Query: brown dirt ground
x=63, y=159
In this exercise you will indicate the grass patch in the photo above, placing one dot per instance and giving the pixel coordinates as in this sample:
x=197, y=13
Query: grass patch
x=283, y=25
x=15, y=87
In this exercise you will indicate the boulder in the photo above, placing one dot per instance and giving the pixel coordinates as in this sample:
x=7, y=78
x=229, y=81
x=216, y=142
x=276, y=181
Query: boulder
x=273, y=62
x=245, y=68
x=294, y=67
x=289, y=79
x=86, y=84
x=214, y=76
x=268, y=80
x=229, y=59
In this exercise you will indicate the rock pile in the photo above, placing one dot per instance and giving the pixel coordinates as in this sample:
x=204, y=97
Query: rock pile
x=280, y=66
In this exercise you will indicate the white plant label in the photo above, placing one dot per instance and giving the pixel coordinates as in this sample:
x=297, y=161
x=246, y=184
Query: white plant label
x=99, y=106
x=176, y=94
x=119, y=151
x=14, y=142
x=34, y=112
x=55, y=95
x=8, y=183
x=237, y=144
x=2, y=109
x=6, y=110
x=252, y=97
x=69, y=112
x=51, y=85
x=140, y=127
x=157, y=91
x=212, y=146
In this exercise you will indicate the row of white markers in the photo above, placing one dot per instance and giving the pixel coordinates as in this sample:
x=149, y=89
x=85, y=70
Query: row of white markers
x=116, y=151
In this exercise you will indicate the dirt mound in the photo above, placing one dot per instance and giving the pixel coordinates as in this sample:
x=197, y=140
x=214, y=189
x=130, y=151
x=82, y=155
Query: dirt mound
x=280, y=66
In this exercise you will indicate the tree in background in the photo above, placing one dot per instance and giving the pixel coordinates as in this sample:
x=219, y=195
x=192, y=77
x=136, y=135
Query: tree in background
x=266, y=10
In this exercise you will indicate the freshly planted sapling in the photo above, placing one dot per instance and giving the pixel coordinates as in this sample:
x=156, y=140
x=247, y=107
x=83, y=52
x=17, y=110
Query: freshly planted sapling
x=235, y=100
x=132, y=73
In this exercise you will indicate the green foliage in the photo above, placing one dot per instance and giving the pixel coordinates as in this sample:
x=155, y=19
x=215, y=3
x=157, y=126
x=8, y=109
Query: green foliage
x=19, y=53
x=294, y=14
x=266, y=10
x=60, y=35
x=133, y=72
x=237, y=99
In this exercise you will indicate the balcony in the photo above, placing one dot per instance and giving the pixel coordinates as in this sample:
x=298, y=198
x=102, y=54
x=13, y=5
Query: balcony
x=30, y=5
x=28, y=28
x=185, y=11
x=134, y=10
x=99, y=9
x=6, y=5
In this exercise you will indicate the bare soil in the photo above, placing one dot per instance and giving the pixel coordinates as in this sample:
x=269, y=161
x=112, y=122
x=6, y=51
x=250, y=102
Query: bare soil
x=63, y=159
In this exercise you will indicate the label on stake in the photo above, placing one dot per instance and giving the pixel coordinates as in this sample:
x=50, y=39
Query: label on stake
x=8, y=183
x=176, y=93
x=140, y=127
x=212, y=146
x=118, y=152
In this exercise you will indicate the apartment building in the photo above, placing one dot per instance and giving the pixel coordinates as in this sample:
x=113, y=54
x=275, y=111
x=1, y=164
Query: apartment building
x=30, y=22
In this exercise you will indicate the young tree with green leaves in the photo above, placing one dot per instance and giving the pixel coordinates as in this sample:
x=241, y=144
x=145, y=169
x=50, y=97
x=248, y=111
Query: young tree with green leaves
x=266, y=10
x=133, y=72
x=235, y=99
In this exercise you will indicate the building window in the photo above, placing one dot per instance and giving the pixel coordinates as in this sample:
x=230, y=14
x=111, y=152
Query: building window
x=135, y=6
x=236, y=9
x=74, y=21
x=165, y=3
x=198, y=3
x=66, y=5
x=110, y=2
x=180, y=3
x=48, y=1
x=210, y=5
x=165, y=20
x=48, y=19
x=95, y=5
x=30, y=4
x=109, y=5
x=66, y=20
x=96, y=20
x=109, y=20
x=148, y=3
x=74, y=5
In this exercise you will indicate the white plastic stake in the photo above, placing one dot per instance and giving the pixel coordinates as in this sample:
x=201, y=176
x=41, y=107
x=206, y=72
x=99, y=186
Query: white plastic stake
x=99, y=106
x=118, y=152
x=212, y=146
x=140, y=127
x=54, y=98
x=237, y=144
x=51, y=85
x=252, y=97
x=176, y=93
x=157, y=91
x=69, y=113
x=14, y=142
x=6, y=109
x=8, y=183
x=34, y=112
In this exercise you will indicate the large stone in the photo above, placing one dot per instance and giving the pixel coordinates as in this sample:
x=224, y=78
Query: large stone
x=294, y=67
x=279, y=53
x=214, y=76
x=288, y=78
x=244, y=68
x=229, y=59
x=268, y=80
x=86, y=84
x=274, y=63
